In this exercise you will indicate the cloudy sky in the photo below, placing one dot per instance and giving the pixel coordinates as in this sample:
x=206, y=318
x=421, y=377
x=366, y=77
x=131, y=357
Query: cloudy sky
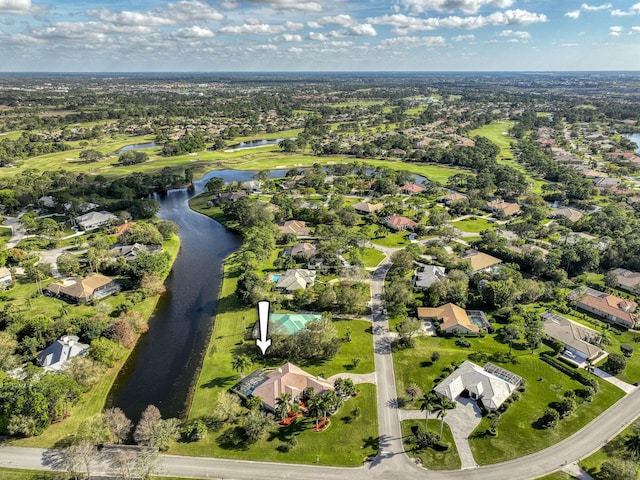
x=318, y=35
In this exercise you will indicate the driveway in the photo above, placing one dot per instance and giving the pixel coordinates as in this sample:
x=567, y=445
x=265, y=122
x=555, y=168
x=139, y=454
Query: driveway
x=624, y=386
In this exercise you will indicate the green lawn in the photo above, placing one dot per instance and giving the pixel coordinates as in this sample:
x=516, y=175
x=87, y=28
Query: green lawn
x=557, y=476
x=17, y=474
x=5, y=236
x=346, y=442
x=372, y=257
x=431, y=459
x=393, y=240
x=544, y=385
x=474, y=225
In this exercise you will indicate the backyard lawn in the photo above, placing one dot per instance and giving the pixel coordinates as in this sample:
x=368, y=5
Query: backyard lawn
x=543, y=385
x=393, y=240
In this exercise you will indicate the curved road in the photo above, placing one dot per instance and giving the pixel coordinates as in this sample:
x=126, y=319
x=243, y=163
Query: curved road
x=391, y=462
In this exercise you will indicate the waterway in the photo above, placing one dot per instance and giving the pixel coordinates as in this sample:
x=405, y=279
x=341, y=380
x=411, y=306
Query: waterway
x=164, y=364
x=138, y=146
x=635, y=138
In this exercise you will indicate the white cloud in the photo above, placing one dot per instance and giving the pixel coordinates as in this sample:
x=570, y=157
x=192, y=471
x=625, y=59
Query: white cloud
x=515, y=36
x=404, y=25
x=19, y=7
x=194, y=32
x=461, y=38
x=318, y=36
x=364, y=30
x=568, y=45
x=635, y=29
x=254, y=29
x=300, y=5
x=573, y=14
x=342, y=20
x=289, y=37
x=412, y=42
x=615, y=31
x=633, y=10
x=465, y=6
x=184, y=11
x=594, y=8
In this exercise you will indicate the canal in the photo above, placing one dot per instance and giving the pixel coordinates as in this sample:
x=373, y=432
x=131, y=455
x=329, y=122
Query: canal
x=164, y=364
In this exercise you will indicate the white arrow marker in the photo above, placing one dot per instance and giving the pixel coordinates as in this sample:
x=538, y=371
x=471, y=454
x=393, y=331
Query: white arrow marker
x=263, y=317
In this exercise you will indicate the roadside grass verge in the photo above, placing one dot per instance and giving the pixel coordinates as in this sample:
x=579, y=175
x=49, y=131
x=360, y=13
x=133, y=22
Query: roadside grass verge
x=613, y=449
x=431, y=459
x=543, y=386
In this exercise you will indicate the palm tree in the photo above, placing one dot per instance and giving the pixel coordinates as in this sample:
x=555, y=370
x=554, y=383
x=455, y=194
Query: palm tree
x=240, y=363
x=315, y=405
x=282, y=405
x=441, y=407
x=632, y=444
x=413, y=390
x=428, y=404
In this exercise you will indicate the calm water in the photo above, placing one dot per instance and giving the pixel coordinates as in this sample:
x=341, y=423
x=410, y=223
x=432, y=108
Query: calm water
x=635, y=137
x=138, y=146
x=163, y=366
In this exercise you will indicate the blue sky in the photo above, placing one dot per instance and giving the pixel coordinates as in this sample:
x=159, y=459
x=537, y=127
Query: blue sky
x=318, y=35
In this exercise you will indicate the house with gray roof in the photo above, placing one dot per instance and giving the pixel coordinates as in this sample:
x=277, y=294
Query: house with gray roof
x=581, y=343
x=57, y=354
x=296, y=279
x=92, y=220
x=429, y=275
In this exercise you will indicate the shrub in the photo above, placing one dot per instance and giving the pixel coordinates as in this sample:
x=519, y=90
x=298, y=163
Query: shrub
x=615, y=364
x=627, y=349
x=462, y=343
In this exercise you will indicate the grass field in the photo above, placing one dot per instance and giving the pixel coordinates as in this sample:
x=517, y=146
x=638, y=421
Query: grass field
x=474, y=225
x=393, y=240
x=431, y=459
x=544, y=385
x=496, y=133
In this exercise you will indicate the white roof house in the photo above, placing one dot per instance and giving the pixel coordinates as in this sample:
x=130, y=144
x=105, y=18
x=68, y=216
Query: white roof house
x=92, y=220
x=490, y=385
x=57, y=354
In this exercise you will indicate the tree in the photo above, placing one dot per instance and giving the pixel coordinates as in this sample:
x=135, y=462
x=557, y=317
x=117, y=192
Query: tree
x=413, y=391
x=68, y=264
x=549, y=418
x=428, y=404
x=194, y=430
x=122, y=332
x=79, y=459
x=615, y=363
x=240, y=363
x=167, y=228
x=85, y=371
x=90, y=155
x=617, y=469
x=153, y=431
x=511, y=333
x=407, y=329
x=8, y=345
x=534, y=333
x=283, y=403
x=226, y=407
x=143, y=233
x=256, y=423
x=131, y=157
x=344, y=387
x=632, y=444
x=215, y=185
x=117, y=423
x=442, y=406
x=134, y=464
x=106, y=351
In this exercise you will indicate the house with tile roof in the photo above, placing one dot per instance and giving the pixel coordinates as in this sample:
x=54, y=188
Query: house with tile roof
x=505, y=209
x=399, y=223
x=571, y=214
x=452, y=198
x=83, y=290
x=270, y=386
x=454, y=319
x=580, y=341
x=364, y=208
x=481, y=261
x=489, y=386
x=295, y=227
x=54, y=357
x=307, y=250
x=608, y=307
x=412, y=188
